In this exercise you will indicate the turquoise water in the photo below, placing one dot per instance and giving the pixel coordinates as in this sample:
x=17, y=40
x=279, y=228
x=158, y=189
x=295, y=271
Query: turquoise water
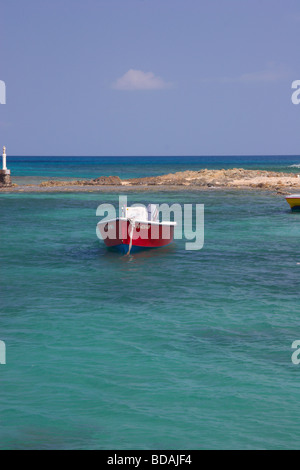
x=171, y=349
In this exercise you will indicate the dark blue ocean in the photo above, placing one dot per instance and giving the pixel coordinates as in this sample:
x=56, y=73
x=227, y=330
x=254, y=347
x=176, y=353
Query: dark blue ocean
x=32, y=170
x=168, y=349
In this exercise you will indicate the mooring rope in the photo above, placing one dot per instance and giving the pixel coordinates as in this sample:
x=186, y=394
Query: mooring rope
x=132, y=224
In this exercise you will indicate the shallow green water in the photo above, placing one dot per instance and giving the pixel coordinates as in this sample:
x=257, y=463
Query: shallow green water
x=169, y=349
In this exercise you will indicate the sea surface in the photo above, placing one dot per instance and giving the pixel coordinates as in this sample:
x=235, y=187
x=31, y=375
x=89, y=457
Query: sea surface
x=168, y=349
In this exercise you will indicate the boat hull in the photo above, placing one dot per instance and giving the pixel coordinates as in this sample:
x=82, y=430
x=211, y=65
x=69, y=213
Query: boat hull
x=124, y=249
x=294, y=201
x=117, y=235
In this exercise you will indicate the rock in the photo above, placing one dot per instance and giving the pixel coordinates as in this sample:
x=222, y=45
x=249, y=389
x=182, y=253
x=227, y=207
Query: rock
x=107, y=180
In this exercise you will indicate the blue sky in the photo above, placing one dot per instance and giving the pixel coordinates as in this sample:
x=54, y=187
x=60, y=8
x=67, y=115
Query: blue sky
x=149, y=77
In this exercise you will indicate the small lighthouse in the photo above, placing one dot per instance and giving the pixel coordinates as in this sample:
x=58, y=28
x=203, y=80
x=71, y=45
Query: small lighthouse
x=5, y=179
x=4, y=159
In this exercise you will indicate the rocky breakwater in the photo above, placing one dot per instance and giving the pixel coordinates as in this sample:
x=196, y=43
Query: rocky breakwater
x=238, y=178
x=101, y=181
x=5, y=179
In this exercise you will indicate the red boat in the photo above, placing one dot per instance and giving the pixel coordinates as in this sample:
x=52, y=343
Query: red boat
x=137, y=230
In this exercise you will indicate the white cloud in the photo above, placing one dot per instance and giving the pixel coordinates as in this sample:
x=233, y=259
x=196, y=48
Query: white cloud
x=139, y=80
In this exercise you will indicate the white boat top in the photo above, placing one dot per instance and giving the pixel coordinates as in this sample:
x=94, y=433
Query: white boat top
x=141, y=215
x=293, y=196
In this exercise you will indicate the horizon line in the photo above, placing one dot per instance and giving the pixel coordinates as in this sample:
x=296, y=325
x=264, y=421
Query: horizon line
x=157, y=156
